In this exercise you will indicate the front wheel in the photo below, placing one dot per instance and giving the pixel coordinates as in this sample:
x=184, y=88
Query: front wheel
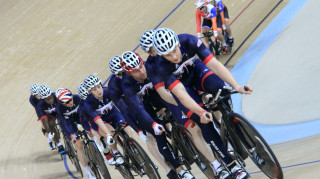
x=141, y=159
x=256, y=147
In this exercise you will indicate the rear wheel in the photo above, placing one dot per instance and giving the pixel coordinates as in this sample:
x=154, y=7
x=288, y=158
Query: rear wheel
x=202, y=162
x=141, y=160
x=256, y=147
x=99, y=160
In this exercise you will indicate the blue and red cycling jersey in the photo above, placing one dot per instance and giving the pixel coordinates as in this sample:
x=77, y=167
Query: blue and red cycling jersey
x=45, y=109
x=103, y=109
x=69, y=116
x=116, y=95
x=34, y=102
x=190, y=46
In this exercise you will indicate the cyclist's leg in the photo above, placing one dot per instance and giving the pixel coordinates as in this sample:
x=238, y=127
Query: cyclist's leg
x=221, y=37
x=226, y=21
x=206, y=26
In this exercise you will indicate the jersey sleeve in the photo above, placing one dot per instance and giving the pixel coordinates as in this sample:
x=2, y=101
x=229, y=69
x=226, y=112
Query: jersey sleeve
x=201, y=50
x=135, y=103
x=66, y=125
x=91, y=112
x=166, y=72
x=198, y=20
x=153, y=75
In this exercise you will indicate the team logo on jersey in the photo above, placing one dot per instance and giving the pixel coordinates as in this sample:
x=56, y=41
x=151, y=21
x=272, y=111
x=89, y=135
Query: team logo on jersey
x=68, y=113
x=105, y=109
x=180, y=69
x=144, y=89
x=199, y=43
x=50, y=110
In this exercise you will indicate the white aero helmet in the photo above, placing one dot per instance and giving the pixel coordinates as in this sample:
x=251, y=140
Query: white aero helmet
x=199, y=3
x=82, y=91
x=92, y=81
x=146, y=40
x=131, y=61
x=115, y=64
x=34, y=88
x=44, y=91
x=63, y=95
x=164, y=41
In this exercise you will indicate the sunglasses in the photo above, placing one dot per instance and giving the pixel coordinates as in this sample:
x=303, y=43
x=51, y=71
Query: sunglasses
x=68, y=101
x=201, y=8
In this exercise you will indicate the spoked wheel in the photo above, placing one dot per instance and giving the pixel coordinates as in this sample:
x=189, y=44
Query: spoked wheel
x=99, y=160
x=73, y=157
x=94, y=170
x=125, y=171
x=141, y=160
x=257, y=148
x=202, y=162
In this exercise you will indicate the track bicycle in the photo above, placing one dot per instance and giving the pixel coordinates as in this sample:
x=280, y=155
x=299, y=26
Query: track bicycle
x=183, y=146
x=95, y=160
x=72, y=154
x=236, y=131
x=215, y=46
x=135, y=158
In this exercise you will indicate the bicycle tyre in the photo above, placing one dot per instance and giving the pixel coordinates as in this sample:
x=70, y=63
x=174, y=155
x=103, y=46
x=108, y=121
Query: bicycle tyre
x=91, y=163
x=99, y=159
x=125, y=171
x=250, y=136
x=73, y=156
x=201, y=161
x=136, y=152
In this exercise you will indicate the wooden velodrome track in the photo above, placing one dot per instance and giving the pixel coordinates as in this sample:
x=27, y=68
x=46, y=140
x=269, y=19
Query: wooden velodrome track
x=59, y=43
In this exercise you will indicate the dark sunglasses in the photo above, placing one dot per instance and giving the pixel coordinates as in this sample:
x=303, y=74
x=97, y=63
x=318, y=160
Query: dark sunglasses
x=68, y=101
x=201, y=8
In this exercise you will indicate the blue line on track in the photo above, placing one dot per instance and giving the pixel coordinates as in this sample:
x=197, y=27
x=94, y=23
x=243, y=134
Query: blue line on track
x=67, y=168
x=289, y=166
x=154, y=28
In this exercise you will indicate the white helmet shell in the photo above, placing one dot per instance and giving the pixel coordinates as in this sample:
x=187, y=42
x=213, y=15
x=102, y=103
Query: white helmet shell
x=164, y=41
x=199, y=3
x=146, y=40
x=34, y=88
x=131, y=61
x=115, y=64
x=82, y=91
x=92, y=81
x=44, y=91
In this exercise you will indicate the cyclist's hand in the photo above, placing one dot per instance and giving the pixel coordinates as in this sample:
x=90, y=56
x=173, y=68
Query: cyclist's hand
x=215, y=34
x=73, y=138
x=205, y=117
x=110, y=139
x=158, y=129
x=244, y=89
x=199, y=35
x=143, y=137
x=224, y=27
x=50, y=135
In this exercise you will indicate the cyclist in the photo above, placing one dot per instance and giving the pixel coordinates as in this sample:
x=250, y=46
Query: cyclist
x=220, y=5
x=179, y=67
x=34, y=100
x=141, y=98
x=67, y=112
x=47, y=111
x=146, y=40
x=210, y=20
x=100, y=109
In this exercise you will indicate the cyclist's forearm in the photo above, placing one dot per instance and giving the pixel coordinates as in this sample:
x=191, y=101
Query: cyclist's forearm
x=167, y=96
x=222, y=72
x=185, y=99
x=102, y=126
x=45, y=123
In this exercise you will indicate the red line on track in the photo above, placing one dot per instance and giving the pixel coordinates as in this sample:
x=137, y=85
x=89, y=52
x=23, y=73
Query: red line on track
x=241, y=12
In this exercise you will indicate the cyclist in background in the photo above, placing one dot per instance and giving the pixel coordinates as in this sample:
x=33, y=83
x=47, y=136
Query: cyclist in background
x=67, y=112
x=85, y=118
x=218, y=4
x=47, y=111
x=34, y=100
x=142, y=99
x=101, y=110
x=179, y=67
x=211, y=19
